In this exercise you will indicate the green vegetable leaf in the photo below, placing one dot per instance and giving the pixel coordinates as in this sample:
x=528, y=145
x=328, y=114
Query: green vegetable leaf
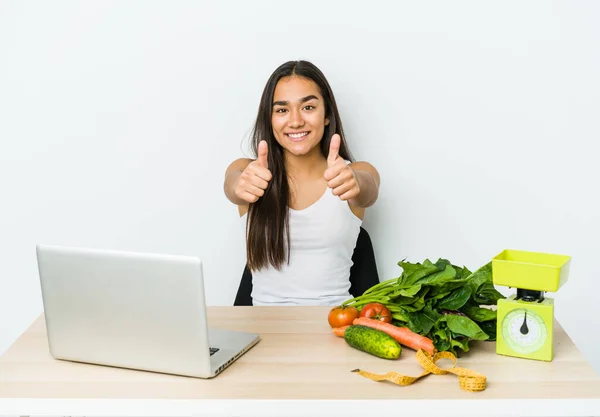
x=481, y=276
x=464, y=326
x=461, y=343
x=456, y=299
x=480, y=314
x=441, y=339
x=440, y=277
x=416, y=273
x=462, y=273
x=408, y=267
x=441, y=291
x=422, y=321
x=404, y=301
x=415, y=306
x=441, y=264
x=489, y=327
x=488, y=295
x=410, y=291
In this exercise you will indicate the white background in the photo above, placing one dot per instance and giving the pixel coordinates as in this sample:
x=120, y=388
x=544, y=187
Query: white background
x=118, y=119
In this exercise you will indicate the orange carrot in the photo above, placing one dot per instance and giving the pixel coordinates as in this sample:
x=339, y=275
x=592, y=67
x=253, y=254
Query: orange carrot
x=402, y=335
x=339, y=331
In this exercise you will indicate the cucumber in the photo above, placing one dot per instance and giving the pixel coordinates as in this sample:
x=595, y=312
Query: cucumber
x=372, y=341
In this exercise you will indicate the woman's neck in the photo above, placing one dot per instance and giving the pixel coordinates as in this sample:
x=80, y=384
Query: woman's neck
x=306, y=167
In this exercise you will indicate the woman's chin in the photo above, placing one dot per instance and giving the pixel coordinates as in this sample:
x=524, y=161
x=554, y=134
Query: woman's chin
x=298, y=148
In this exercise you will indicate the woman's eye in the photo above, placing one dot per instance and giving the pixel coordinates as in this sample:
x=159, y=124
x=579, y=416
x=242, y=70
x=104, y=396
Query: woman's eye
x=280, y=110
x=309, y=107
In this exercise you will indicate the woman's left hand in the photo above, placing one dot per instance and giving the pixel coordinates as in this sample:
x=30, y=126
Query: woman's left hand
x=339, y=176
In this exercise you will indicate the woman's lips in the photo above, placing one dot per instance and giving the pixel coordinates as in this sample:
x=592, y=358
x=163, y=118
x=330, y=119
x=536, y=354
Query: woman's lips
x=297, y=136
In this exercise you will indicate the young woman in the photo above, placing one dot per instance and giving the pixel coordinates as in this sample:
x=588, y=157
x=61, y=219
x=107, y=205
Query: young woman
x=303, y=195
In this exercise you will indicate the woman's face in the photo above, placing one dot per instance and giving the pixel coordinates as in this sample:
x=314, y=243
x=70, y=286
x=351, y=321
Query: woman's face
x=298, y=116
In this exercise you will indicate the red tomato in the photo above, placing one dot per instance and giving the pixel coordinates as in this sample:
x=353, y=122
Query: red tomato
x=342, y=316
x=376, y=311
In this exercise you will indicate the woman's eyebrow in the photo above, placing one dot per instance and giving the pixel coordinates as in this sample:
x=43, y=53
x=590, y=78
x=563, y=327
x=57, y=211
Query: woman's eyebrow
x=302, y=100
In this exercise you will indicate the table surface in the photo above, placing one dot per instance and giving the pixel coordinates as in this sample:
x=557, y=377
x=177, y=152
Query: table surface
x=298, y=358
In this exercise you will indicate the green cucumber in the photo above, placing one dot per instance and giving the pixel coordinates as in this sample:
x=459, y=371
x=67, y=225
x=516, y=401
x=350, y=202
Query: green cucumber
x=372, y=341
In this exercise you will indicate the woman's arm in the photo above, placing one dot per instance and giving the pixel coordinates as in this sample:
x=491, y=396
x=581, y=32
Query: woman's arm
x=368, y=181
x=232, y=177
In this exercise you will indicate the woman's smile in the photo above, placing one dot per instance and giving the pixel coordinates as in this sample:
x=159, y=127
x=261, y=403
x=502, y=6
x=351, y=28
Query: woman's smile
x=297, y=136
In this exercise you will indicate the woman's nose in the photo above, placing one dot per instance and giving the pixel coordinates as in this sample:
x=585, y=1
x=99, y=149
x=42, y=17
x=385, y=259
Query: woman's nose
x=295, y=119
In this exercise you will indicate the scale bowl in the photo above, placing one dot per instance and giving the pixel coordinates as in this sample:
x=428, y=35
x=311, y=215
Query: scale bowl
x=530, y=270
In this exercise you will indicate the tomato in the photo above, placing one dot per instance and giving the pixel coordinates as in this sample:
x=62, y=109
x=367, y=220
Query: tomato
x=376, y=311
x=342, y=316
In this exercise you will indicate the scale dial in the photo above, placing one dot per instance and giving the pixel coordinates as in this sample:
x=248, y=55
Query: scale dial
x=524, y=330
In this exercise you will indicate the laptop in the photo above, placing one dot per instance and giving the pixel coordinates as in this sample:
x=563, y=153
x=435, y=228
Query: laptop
x=133, y=310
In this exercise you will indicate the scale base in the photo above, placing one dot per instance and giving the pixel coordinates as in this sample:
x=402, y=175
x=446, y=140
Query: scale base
x=525, y=329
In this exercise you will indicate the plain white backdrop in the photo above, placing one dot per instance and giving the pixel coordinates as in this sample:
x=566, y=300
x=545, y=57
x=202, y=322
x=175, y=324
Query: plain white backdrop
x=118, y=119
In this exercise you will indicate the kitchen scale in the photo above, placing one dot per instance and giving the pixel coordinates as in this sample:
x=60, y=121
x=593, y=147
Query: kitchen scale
x=525, y=321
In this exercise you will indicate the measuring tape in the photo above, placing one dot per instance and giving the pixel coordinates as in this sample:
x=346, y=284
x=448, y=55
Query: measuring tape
x=468, y=380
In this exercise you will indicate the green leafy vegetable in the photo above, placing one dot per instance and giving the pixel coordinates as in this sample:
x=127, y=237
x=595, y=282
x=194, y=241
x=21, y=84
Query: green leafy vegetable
x=479, y=314
x=464, y=326
x=456, y=299
x=442, y=301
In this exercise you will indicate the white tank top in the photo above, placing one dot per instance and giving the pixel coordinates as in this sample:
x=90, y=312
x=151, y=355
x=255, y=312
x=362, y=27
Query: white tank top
x=322, y=241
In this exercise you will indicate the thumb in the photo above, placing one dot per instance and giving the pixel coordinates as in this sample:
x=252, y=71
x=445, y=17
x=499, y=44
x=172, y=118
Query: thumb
x=263, y=151
x=334, y=148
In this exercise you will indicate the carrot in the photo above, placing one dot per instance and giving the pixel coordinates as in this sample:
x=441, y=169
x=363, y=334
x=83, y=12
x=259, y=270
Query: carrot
x=339, y=331
x=402, y=335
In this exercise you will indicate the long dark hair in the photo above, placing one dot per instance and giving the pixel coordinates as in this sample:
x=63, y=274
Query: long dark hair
x=267, y=227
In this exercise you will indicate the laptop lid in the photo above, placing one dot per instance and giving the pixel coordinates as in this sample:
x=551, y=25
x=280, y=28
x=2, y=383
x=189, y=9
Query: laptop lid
x=125, y=309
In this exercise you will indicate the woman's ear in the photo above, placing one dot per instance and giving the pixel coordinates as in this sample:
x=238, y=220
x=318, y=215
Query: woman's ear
x=327, y=121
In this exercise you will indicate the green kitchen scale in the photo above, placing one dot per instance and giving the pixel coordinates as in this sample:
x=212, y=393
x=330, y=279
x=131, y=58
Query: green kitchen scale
x=525, y=320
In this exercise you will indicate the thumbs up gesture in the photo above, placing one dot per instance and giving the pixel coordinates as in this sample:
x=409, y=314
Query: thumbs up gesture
x=256, y=176
x=339, y=176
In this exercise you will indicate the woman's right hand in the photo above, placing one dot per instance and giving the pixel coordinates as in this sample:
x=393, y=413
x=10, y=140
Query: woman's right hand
x=254, y=179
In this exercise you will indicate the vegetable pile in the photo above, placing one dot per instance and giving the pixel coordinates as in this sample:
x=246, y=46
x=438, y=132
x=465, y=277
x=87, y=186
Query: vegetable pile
x=440, y=303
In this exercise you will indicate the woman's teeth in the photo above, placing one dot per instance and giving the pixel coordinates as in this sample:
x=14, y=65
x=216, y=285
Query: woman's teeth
x=297, y=135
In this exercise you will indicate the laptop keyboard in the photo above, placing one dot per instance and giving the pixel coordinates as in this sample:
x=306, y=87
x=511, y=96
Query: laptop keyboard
x=213, y=350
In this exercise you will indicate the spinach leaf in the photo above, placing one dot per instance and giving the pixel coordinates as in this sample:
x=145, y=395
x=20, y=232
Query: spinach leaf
x=443, y=290
x=408, y=267
x=410, y=291
x=400, y=300
x=442, y=344
x=422, y=321
x=441, y=264
x=456, y=299
x=462, y=273
x=480, y=314
x=464, y=326
x=399, y=315
x=415, y=306
x=480, y=277
x=417, y=273
x=441, y=339
x=440, y=277
x=460, y=342
x=487, y=294
x=489, y=327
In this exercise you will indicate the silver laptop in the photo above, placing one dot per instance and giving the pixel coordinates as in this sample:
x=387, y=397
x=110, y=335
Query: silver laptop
x=133, y=310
